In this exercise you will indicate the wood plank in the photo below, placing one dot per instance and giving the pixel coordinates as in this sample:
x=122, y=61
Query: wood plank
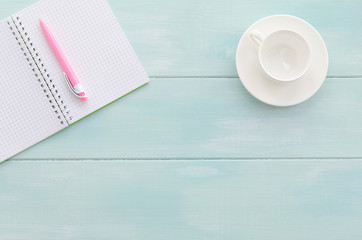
x=199, y=38
x=214, y=118
x=266, y=199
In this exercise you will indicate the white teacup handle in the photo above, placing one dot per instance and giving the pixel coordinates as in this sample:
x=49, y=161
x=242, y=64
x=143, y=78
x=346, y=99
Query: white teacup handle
x=257, y=37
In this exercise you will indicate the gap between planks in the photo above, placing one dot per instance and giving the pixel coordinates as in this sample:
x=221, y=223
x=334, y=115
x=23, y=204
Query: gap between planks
x=205, y=159
x=184, y=159
x=216, y=77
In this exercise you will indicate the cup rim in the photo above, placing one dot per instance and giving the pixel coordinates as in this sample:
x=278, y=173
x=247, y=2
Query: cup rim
x=279, y=79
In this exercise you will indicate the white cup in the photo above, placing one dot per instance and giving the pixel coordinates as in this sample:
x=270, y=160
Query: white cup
x=284, y=55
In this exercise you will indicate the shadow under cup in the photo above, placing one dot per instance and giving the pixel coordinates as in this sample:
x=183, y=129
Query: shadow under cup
x=285, y=55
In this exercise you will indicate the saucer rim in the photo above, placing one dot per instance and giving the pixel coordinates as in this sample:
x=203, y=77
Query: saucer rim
x=312, y=93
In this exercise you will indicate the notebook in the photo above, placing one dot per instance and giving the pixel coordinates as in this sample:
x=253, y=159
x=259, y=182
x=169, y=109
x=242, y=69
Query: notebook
x=35, y=101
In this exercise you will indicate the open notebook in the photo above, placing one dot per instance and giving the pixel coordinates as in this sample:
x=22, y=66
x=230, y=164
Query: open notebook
x=35, y=101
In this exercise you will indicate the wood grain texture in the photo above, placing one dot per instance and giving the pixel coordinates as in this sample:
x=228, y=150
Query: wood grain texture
x=181, y=200
x=199, y=38
x=214, y=118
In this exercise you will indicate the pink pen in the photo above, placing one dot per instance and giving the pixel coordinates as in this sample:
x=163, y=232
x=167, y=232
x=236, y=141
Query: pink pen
x=69, y=74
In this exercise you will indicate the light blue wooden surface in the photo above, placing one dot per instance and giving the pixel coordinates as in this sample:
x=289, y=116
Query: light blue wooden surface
x=214, y=118
x=193, y=155
x=199, y=37
x=162, y=200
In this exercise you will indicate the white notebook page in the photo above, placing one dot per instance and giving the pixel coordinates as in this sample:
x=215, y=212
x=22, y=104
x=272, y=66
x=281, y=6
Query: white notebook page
x=35, y=101
x=94, y=44
x=26, y=115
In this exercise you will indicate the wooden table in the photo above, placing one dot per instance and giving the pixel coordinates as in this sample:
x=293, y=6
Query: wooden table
x=192, y=155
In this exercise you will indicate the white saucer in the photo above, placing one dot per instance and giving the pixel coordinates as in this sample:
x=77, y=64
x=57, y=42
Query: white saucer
x=264, y=88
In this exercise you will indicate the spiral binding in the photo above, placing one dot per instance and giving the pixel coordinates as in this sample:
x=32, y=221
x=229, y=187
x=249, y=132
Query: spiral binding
x=49, y=87
x=43, y=86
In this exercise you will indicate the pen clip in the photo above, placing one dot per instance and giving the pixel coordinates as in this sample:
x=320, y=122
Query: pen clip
x=76, y=92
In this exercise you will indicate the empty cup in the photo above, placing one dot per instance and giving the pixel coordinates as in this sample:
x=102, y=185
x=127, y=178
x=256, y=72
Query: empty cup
x=284, y=55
